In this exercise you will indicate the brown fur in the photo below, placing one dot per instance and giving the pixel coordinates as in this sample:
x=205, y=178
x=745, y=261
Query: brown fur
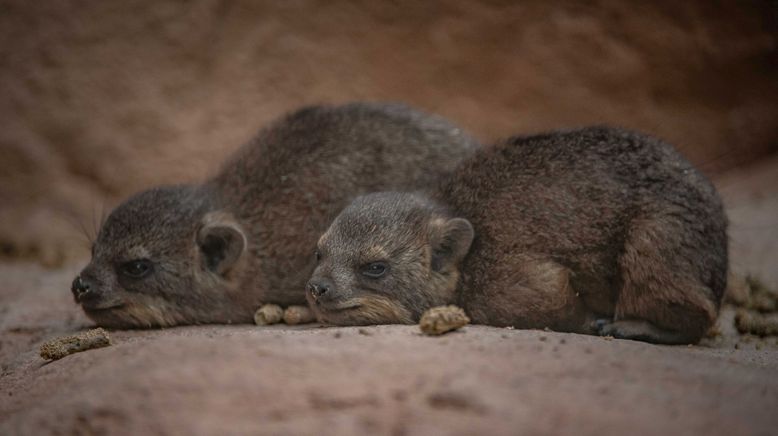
x=212, y=253
x=593, y=230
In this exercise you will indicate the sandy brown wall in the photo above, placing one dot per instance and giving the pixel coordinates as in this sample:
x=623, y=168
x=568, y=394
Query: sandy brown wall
x=103, y=98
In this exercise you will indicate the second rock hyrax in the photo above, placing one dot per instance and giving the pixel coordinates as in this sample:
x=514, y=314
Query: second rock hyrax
x=214, y=252
x=596, y=230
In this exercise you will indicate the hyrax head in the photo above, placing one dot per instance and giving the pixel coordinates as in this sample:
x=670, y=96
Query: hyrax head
x=162, y=258
x=385, y=259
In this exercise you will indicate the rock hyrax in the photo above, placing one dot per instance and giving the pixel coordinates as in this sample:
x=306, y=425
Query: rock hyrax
x=213, y=252
x=596, y=230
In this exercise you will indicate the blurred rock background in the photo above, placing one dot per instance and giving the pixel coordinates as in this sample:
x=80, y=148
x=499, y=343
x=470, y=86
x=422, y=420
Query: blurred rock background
x=104, y=98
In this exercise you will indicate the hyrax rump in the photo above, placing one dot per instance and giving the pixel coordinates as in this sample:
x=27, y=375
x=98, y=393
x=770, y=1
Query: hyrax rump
x=596, y=230
x=214, y=252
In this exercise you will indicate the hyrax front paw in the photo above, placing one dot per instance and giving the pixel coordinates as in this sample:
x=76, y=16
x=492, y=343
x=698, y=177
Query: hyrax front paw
x=600, y=324
x=621, y=329
x=639, y=330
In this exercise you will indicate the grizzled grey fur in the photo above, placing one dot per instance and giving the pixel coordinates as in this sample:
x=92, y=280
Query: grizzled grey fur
x=213, y=252
x=597, y=230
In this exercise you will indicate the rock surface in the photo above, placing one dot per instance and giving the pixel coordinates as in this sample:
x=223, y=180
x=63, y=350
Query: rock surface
x=482, y=380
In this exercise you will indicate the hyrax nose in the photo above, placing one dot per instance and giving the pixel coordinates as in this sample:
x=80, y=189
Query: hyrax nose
x=318, y=288
x=82, y=289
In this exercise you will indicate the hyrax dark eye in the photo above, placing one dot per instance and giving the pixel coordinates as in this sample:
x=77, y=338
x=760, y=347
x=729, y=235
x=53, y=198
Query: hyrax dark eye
x=375, y=270
x=136, y=269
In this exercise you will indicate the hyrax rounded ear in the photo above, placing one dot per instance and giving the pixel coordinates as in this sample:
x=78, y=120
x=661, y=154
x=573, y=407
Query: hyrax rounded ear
x=221, y=242
x=451, y=241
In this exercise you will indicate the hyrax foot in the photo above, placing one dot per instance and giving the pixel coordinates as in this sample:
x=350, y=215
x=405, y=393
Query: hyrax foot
x=640, y=331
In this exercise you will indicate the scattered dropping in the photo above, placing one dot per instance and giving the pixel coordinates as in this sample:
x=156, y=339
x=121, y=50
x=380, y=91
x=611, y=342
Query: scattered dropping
x=298, y=315
x=364, y=332
x=442, y=319
x=61, y=347
x=761, y=297
x=268, y=314
x=755, y=323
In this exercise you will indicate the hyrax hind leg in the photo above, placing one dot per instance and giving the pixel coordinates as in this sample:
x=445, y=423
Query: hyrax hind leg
x=529, y=292
x=664, y=297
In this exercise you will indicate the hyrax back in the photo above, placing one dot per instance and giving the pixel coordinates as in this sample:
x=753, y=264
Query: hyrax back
x=568, y=228
x=213, y=252
x=638, y=231
x=287, y=186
